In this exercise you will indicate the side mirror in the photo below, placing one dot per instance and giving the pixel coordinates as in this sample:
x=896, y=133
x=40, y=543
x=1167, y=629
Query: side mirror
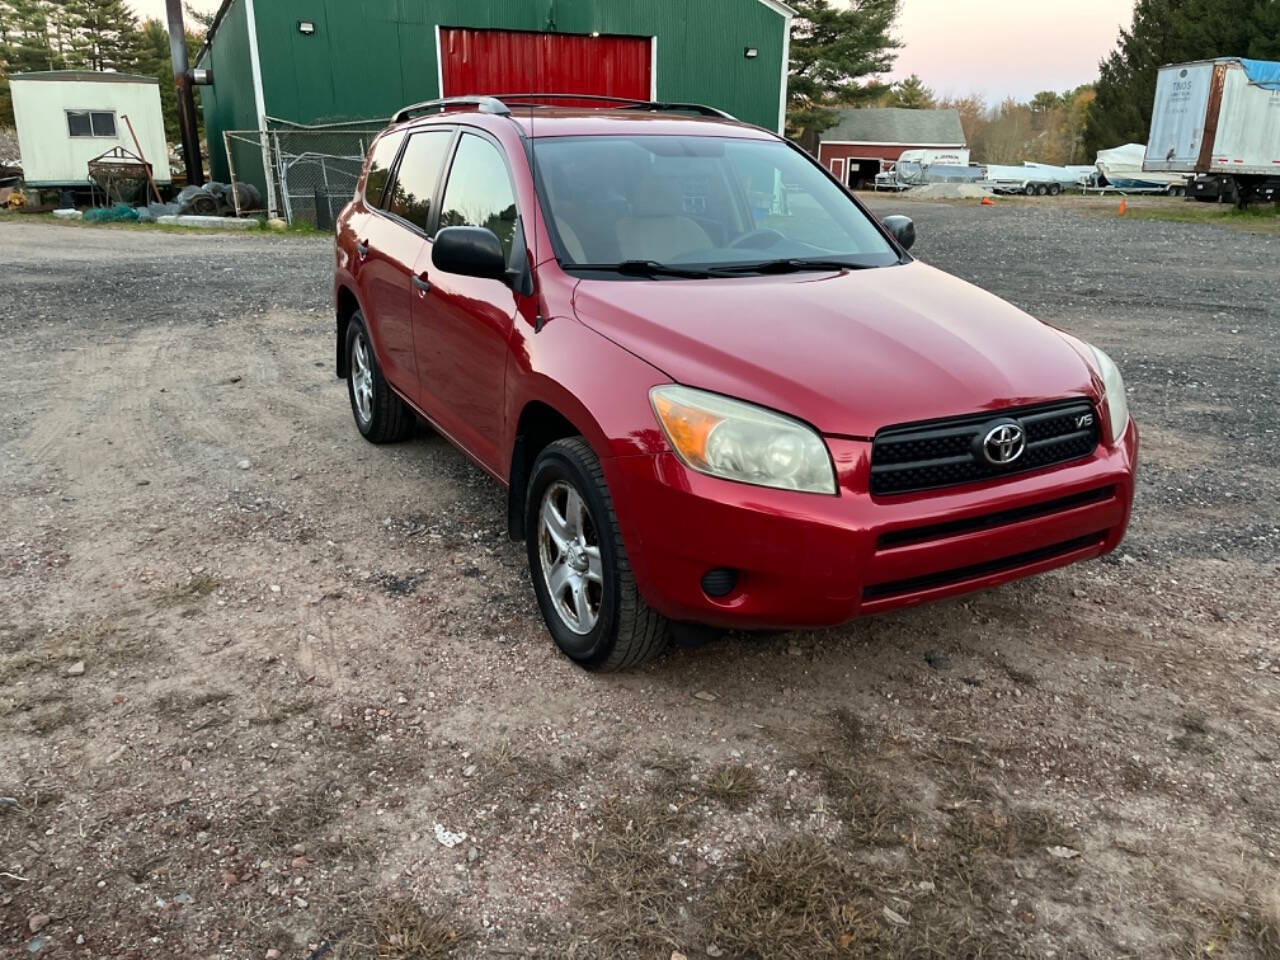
x=470, y=252
x=903, y=230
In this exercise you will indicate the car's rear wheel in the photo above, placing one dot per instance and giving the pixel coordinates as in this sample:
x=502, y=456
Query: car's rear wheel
x=381, y=416
x=579, y=566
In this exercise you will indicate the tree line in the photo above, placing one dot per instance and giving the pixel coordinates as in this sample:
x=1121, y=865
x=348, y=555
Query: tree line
x=38, y=35
x=840, y=51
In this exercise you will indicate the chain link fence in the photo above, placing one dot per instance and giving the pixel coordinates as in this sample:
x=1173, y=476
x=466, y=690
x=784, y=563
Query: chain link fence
x=305, y=174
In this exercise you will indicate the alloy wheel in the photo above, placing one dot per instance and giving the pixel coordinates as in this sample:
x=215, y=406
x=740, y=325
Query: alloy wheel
x=569, y=548
x=362, y=378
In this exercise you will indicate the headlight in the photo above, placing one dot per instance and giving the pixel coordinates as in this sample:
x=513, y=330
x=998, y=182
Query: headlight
x=1117, y=402
x=739, y=441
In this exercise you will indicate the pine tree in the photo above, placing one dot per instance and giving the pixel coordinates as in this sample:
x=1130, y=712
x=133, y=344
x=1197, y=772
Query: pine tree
x=912, y=94
x=107, y=33
x=834, y=50
x=1172, y=31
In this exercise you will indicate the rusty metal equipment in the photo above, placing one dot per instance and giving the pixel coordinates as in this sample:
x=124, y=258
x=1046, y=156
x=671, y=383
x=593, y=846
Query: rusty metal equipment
x=119, y=173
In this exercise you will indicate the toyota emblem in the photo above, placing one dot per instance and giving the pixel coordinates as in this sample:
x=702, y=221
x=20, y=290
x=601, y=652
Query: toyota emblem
x=1004, y=443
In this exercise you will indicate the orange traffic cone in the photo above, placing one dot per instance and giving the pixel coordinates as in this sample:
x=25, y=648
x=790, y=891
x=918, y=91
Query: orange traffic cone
x=1124, y=205
x=988, y=201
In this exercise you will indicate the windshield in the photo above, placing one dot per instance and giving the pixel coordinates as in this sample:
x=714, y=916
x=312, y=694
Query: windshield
x=698, y=203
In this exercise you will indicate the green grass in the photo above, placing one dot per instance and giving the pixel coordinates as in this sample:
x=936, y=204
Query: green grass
x=293, y=230
x=1259, y=218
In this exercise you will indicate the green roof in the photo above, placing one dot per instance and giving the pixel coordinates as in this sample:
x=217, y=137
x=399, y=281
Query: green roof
x=898, y=125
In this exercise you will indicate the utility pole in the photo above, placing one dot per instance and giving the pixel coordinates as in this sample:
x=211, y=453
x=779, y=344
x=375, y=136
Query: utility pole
x=182, y=79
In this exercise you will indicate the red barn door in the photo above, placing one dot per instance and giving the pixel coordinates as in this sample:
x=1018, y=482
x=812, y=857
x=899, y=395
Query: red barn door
x=474, y=62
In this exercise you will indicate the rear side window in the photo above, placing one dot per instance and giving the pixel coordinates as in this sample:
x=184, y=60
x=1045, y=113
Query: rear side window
x=380, y=161
x=479, y=191
x=415, y=182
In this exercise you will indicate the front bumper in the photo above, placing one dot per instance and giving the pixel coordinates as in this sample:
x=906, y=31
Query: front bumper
x=807, y=560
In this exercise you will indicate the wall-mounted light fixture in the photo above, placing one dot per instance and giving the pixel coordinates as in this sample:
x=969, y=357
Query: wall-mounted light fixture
x=595, y=33
x=751, y=53
x=306, y=27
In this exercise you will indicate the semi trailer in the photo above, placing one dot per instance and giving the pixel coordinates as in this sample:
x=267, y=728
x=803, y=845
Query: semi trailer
x=1219, y=120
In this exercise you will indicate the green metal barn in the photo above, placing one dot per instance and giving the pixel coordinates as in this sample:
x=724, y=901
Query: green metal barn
x=277, y=65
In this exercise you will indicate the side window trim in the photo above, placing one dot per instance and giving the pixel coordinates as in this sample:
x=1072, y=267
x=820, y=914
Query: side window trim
x=438, y=190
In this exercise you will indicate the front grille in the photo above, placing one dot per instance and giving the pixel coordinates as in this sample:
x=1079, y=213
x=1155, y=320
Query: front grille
x=946, y=578
x=944, y=453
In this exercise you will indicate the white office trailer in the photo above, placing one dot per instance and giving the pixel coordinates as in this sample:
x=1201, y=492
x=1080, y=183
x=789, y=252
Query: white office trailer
x=65, y=118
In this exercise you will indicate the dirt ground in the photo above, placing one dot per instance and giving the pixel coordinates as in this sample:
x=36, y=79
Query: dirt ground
x=258, y=678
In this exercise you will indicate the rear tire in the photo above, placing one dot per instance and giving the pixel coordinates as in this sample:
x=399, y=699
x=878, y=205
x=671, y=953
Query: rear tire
x=381, y=416
x=579, y=567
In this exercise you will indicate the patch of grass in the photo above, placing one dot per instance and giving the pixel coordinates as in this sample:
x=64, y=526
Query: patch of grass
x=1245, y=926
x=1259, y=218
x=1017, y=832
x=181, y=594
x=733, y=784
x=51, y=713
x=14, y=665
x=295, y=229
x=874, y=813
x=1021, y=677
x=182, y=703
x=793, y=900
x=400, y=930
x=273, y=710
x=847, y=729
x=300, y=818
x=629, y=901
x=1195, y=733
x=403, y=931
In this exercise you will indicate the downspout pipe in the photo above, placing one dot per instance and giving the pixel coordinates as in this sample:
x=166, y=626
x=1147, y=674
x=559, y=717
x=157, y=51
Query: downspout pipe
x=183, y=80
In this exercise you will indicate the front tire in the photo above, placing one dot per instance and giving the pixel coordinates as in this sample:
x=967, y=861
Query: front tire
x=579, y=567
x=381, y=416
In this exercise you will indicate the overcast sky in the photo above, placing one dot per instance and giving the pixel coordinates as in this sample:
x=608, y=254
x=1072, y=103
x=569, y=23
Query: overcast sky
x=994, y=47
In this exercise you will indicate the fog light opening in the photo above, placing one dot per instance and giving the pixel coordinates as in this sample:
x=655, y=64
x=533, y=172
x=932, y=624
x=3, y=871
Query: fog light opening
x=719, y=582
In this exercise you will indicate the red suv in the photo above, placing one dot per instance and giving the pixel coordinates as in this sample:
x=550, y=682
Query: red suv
x=720, y=392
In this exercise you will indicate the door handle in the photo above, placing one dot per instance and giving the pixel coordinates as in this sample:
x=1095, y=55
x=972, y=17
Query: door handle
x=362, y=249
x=422, y=285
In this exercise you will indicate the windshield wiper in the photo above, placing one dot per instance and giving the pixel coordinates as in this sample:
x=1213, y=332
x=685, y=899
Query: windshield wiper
x=643, y=268
x=789, y=265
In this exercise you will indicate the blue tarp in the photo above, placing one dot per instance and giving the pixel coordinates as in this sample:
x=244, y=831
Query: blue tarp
x=1263, y=73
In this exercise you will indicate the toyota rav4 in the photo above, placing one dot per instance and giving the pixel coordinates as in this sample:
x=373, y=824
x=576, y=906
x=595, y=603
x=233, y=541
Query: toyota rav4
x=719, y=392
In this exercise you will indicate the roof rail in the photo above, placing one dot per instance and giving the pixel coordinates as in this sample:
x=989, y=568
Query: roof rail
x=484, y=104
x=623, y=103
x=498, y=104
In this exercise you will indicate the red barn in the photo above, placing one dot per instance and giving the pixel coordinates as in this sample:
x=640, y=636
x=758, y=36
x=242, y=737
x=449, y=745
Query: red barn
x=869, y=140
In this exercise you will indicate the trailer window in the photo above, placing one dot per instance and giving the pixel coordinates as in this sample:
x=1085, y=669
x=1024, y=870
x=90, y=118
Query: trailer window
x=91, y=123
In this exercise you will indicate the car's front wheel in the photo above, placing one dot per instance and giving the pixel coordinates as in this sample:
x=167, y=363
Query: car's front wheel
x=381, y=416
x=579, y=566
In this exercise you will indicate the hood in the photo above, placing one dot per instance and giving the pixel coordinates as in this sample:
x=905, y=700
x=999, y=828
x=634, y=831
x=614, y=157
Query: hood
x=849, y=353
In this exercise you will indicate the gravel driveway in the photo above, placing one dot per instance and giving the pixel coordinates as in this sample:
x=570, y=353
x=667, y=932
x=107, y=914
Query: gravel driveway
x=268, y=691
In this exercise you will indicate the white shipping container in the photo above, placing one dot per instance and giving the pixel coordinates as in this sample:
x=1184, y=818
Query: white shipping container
x=1210, y=117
